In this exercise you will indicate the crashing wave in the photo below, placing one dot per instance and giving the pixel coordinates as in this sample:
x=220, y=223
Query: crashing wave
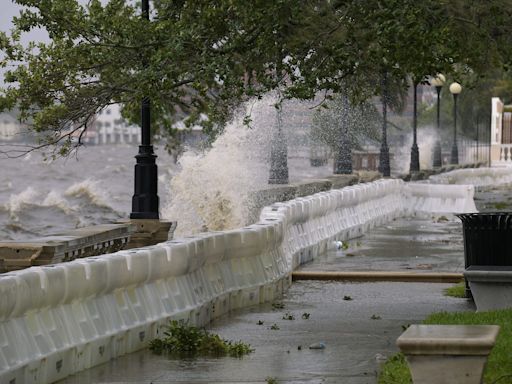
x=212, y=190
x=90, y=190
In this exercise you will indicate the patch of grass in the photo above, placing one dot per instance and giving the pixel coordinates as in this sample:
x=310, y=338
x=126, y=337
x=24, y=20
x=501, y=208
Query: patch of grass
x=499, y=365
x=271, y=380
x=500, y=205
x=458, y=290
x=395, y=371
x=183, y=340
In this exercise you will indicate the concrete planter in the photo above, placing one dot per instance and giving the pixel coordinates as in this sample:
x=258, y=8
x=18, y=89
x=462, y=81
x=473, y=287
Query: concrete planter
x=491, y=286
x=447, y=354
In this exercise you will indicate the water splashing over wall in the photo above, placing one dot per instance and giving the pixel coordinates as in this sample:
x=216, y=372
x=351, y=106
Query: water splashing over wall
x=212, y=190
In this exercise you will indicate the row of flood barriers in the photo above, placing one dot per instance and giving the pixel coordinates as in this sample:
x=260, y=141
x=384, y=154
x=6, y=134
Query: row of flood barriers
x=474, y=176
x=60, y=319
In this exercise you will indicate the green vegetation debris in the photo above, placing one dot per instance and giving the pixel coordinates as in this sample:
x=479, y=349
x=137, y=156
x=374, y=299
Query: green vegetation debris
x=288, y=316
x=375, y=317
x=499, y=365
x=260, y=322
x=306, y=315
x=184, y=340
x=274, y=327
x=458, y=290
x=271, y=380
x=441, y=219
x=347, y=298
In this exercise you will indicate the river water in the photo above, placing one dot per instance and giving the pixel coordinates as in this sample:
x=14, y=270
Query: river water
x=38, y=198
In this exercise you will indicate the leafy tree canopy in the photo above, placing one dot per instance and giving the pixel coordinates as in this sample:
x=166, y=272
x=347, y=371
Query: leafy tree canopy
x=201, y=56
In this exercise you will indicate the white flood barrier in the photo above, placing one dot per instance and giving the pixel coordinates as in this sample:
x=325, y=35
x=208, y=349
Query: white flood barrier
x=478, y=177
x=57, y=320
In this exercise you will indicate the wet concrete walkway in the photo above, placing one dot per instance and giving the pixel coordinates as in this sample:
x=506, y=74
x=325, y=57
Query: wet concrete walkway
x=405, y=244
x=358, y=322
x=358, y=334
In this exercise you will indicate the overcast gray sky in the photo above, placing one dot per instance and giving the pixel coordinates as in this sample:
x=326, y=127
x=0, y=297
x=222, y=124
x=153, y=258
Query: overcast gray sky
x=7, y=11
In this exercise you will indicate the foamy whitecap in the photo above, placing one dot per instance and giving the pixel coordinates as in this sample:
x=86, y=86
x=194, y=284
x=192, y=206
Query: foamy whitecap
x=55, y=199
x=89, y=189
x=17, y=202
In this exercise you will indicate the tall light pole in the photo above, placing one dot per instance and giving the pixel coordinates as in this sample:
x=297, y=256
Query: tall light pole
x=343, y=158
x=384, y=167
x=415, y=152
x=477, y=156
x=489, y=137
x=438, y=82
x=455, y=89
x=145, y=199
x=278, y=153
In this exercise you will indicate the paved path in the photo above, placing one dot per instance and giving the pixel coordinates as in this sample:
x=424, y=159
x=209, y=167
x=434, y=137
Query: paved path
x=354, y=341
x=405, y=244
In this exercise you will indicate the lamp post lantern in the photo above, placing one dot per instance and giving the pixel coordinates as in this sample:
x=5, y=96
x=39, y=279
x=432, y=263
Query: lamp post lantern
x=415, y=152
x=455, y=89
x=438, y=82
x=384, y=167
x=145, y=199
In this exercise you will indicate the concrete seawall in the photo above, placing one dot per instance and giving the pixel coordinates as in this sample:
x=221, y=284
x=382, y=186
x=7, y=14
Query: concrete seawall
x=60, y=319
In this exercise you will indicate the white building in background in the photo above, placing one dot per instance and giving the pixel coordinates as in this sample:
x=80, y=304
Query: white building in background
x=501, y=133
x=10, y=127
x=108, y=127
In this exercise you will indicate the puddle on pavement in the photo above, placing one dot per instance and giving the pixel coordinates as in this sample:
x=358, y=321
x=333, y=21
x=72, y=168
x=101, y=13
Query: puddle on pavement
x=403, y=244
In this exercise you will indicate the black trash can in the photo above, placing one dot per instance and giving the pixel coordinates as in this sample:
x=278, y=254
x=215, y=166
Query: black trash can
x=487, y=239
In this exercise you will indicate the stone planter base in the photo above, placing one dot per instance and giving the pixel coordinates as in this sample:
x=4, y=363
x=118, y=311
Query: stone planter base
x=447, y=354
x=491, y=286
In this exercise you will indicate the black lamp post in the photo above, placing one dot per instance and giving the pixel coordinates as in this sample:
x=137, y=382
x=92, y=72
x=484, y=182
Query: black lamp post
x=343, y=160
x=278, y=154
x=145, y=199
x=455, y=89
x=477, y=155
x=384, y=167
x=489, y=130
x=438, y=82
x=415, y=152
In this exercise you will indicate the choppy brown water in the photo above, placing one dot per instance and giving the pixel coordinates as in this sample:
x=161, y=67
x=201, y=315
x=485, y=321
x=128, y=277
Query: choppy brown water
x=38, y=198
